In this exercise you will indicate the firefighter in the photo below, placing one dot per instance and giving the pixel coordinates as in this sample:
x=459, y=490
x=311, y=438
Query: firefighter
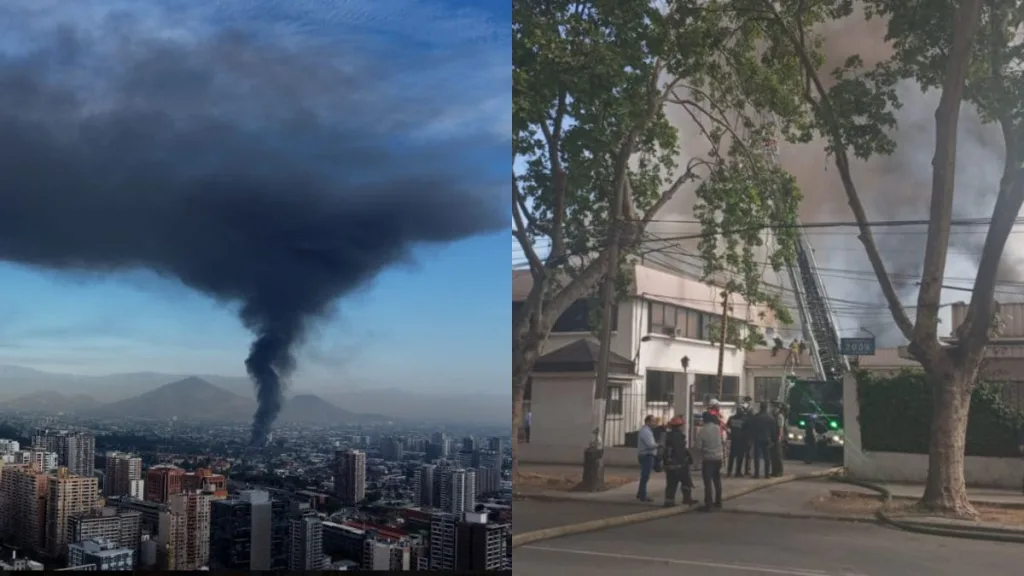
x=739, y=446
x=677, y=461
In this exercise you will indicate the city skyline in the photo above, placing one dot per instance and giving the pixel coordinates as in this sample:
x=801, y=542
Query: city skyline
x=139, y=322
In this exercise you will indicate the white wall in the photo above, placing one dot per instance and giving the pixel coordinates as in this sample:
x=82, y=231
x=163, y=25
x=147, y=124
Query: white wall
x=561, y=410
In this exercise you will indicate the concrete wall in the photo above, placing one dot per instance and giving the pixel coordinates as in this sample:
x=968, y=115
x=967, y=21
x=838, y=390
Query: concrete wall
x=913, y=468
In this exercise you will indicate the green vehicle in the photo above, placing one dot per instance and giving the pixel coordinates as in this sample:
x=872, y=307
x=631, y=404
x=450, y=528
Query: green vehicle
x=824, y=401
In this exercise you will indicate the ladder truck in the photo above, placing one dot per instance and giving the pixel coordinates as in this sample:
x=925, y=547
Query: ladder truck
x=822, y=396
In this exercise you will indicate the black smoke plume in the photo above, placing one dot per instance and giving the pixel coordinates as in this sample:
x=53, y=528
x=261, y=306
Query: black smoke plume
x=250, y=172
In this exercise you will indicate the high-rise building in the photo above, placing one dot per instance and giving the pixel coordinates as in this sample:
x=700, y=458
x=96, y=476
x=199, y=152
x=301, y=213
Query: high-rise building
x=391, y=449
x=121, y=470
x=434, y=451
x=458, y=490
x=380, y=554
x=251, y=532
x=490, y=459
x=488, y=480
x=184, y=533
x=482, y=545
x=9, y=446
x=43, y=461
x=162, y=482
x=350, y=476
x=306, y=551
x=76, y=451
x=123, y=527
x=423, y=485
x=468, y=542
x=205, y=481
x=495, y=444
x=103, y=554
x=68, y=495
x=23, y=493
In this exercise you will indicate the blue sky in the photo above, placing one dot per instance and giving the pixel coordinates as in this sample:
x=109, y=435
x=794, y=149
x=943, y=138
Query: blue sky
x=439, y=322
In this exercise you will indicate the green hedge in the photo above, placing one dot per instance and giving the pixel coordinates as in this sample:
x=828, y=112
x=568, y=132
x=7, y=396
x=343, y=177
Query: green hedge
x=896, y=415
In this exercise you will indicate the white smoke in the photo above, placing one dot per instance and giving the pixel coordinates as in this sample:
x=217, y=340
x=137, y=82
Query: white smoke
x=897, y=187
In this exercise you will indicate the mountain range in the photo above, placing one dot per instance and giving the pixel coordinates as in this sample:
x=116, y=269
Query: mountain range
x=193, y=399
x=35, y=390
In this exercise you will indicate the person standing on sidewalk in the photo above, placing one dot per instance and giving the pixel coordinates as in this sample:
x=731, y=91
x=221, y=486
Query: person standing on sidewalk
x=677, y=464
x=759, y=432
x=778, y=437
x=738, y=445
x=647, y=451
x=709, y=443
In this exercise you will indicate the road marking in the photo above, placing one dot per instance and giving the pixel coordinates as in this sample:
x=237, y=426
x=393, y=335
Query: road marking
x=760, y=569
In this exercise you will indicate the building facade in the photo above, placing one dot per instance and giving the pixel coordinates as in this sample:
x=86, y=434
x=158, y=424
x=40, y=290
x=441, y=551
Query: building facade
x=251, y=532
x=75, y=451
x=350, y=476
x=68, y=495
x=121, y=471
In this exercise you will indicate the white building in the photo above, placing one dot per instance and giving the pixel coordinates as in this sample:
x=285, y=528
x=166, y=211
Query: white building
x=663, y=364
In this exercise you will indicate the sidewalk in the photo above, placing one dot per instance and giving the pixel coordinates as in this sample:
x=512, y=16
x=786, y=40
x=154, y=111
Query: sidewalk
x=796, y=500
x=626, y=495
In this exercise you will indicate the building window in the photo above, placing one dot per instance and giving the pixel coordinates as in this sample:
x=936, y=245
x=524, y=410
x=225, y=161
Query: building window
x=576, y=318
x=706, y=386
x=677, y=321
x=614, y=407
x=659, y=386
x=767, y=388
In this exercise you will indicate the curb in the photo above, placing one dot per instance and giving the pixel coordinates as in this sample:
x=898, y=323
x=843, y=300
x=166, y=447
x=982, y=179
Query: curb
x=986, y=503
x=646, y=516
x=1010, y=535
x=801, y=516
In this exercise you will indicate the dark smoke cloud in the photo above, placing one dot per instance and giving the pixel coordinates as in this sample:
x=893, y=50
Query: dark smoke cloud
x=250, y=172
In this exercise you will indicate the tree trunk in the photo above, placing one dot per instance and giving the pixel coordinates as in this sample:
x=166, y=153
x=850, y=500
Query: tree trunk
x=945, y=490
x=518, y=390
x=525, y=351
x=721, y=343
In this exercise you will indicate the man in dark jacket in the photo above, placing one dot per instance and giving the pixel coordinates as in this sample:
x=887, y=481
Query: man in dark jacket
x=778, y=437
x=759, y=433
x=738, y=445
x=677, y=464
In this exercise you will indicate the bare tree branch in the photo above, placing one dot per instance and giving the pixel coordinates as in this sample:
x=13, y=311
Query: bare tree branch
x=553, y=139
x=977, y=323
x=947, y=119
x=668, y=194
x=520, y=233
x=843, y=164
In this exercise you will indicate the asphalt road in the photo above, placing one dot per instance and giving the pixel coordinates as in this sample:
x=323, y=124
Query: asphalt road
x=734, y=545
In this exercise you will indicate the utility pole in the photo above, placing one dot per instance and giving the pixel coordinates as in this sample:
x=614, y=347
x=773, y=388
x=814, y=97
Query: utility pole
x=724, y=325
x=593, y=463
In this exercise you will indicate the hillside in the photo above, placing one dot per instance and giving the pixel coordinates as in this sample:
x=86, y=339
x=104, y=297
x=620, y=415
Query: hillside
x=422, y=405
x=50, y=402
x=192, y=398
x=314, y=410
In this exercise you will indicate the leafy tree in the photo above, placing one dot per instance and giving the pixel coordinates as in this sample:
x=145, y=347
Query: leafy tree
x=967, y=50
x=591, y=82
